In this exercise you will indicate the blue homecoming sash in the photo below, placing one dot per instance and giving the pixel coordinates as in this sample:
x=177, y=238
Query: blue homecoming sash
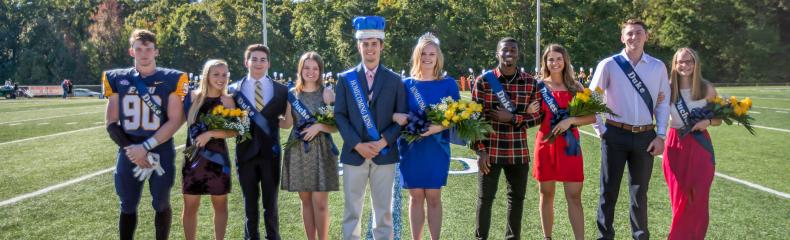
x=244, y=104
x=215, y=158
x=559, y=114
x=415, y=93
x=362, y=105
x=499, y=91
x=684, y=112
x=635, y=81
x=142, y=91
x=302, y=110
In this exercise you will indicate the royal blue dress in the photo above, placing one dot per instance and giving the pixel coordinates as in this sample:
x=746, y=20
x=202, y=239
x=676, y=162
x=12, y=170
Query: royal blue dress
x=425, y=163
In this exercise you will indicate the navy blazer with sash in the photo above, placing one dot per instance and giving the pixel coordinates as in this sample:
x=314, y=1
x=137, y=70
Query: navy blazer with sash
x=389, y=97
x=261, y=144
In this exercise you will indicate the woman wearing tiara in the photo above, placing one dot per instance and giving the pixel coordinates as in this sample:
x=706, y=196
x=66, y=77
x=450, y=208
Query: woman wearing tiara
x=425, y=163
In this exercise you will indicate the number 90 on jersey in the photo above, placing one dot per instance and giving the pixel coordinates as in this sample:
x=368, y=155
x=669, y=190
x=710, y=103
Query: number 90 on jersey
x=138, y=115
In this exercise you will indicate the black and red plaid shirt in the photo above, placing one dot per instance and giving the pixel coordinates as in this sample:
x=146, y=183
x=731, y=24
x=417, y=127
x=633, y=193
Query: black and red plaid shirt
x=507, y=144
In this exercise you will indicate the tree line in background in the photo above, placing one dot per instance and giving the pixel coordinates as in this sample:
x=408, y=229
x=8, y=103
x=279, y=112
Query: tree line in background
x=43, y=42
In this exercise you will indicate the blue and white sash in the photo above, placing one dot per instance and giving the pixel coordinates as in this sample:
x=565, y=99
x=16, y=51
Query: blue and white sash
x=214, y=157
x=305, y=113
x=499, y=91
x=635, y=81
x=684, y=112
x=244, y=104
x=572, y=147
x=362, y=105
x=142, y=91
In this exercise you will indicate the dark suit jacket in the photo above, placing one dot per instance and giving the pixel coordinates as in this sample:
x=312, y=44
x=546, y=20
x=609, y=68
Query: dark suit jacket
x=389, y=97
x=262, y=144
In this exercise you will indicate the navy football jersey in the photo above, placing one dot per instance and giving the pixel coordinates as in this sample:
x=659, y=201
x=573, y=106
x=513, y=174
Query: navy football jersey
x=135, y=116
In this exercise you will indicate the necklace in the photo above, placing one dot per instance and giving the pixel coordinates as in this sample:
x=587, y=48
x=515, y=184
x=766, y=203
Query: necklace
x=512, y=78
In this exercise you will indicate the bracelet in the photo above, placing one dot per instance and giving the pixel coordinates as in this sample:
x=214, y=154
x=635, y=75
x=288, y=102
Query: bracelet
x=150, y=144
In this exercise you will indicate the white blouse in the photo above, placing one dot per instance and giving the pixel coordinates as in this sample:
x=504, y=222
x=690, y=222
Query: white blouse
x=674, y=119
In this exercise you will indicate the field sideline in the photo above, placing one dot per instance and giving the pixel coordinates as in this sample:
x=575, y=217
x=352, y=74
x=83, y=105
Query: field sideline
x=57, y=152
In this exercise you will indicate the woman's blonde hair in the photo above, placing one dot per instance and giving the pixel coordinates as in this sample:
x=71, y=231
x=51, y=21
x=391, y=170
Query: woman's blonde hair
x=299, y=80
x=699, y=85
x=425, y=40
x=200, y=94
x=568, y=76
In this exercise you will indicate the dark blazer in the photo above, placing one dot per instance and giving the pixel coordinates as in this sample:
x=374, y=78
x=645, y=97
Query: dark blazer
x=389, y=97
x=261, y=144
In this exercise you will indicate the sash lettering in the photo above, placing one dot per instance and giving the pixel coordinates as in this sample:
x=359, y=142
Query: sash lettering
x=499, y=91
x=362, y=105
x=635, y=81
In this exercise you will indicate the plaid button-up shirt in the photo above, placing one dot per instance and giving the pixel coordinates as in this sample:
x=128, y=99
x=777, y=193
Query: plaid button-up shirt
x=507, y=144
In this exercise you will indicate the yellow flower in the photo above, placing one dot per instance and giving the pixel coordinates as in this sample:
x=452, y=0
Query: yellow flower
x=583, y=97
x=235, y=112
x=445, y=123
x=739, y=110
x=449, y=113
x=226, y=112
x=599, y=90
x=748, y=102
x=718, y=100
x=466, y=115
x=461, y=106
x=478, y=107
x=587, y=92
x=733, y=100
x=456, y=118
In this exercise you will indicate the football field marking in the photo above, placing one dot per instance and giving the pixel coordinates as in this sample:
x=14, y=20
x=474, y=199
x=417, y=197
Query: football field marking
x=51, y=117
x=60, y=185
x=71, y=123
x=781, y=111
x=772, y=108
x=772, y=128
x=721, y=175
x=52, y=109
x=51, y=135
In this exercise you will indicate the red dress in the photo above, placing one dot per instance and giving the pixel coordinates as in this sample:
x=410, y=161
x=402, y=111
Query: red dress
x=551, y=162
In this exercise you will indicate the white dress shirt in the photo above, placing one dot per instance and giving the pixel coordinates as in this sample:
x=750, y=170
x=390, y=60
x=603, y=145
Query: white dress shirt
x=249, y=88
x=623, y=99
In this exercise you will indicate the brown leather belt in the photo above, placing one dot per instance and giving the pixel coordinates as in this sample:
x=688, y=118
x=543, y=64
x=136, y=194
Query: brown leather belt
x=630, y=128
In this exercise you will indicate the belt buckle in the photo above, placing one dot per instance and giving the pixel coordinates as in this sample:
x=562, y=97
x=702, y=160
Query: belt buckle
x=635, y=129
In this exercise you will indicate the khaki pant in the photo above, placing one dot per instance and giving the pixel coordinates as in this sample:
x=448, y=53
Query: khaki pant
x=355, y=180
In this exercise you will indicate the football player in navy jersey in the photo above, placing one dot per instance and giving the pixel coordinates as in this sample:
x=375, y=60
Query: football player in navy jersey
x=143, y=112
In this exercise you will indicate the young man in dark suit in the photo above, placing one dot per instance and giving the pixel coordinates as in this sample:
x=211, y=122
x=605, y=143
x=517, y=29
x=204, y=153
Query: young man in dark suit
x=367, y=97
x=258, y=159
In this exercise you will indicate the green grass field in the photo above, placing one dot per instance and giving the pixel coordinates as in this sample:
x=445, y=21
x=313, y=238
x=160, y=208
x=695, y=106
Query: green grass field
x=45, y=142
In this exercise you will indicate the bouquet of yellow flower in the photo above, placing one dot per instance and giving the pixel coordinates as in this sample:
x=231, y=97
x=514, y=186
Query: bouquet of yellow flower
x=731, y=110
x=220, y=118
x=584, y=103
x=463, y=115
x=588, y=102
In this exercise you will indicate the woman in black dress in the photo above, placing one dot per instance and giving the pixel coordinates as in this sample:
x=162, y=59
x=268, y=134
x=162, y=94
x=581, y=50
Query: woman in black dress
x=208, y=171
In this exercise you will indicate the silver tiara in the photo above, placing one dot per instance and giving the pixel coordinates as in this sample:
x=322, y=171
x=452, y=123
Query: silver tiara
x=429, y=37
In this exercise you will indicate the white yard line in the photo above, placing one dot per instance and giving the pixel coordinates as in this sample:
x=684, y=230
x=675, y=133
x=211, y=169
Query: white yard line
x=51, y=117
x=781, y=111
x=14, y=124
x=770, y=98
x=772, y=108
x=44, y=123
x=721, y=175
x=771, y=128
x=51, y=135
x=53, y=109
x=59, y=185
x=71, y=123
